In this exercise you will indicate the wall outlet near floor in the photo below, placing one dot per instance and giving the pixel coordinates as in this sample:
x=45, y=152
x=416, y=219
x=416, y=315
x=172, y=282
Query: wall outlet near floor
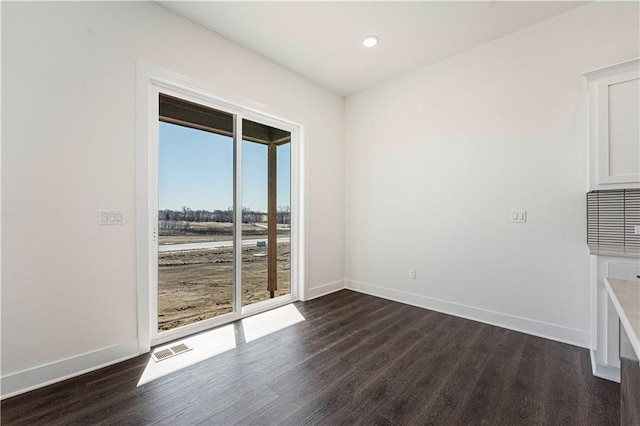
x=412, y=274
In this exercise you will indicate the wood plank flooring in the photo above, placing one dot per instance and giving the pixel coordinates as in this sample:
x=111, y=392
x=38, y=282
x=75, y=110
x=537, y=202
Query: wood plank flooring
x=355, y=359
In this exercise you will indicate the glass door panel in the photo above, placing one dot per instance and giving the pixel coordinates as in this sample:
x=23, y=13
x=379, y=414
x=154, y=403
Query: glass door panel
x=195, y=213
x=266, y=210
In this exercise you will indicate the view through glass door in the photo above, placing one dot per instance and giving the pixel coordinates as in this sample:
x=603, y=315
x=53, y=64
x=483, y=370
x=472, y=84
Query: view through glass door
x=266, y=212
x=200, y=276
x=195, y=214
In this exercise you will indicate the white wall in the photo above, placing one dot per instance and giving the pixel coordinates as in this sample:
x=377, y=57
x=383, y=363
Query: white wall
x=437, y=159
x=69, y=130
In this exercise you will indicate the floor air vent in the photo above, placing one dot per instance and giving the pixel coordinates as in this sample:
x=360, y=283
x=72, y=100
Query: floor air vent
x=166, y=353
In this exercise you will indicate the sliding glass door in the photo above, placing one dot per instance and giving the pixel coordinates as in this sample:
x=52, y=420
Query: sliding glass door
x=223, y=219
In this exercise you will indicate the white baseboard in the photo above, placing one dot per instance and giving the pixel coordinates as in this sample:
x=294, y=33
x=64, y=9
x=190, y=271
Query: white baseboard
x=604, y=371
x=37, y=377
x=325, y=289
x=558, y=333
x=27, y=380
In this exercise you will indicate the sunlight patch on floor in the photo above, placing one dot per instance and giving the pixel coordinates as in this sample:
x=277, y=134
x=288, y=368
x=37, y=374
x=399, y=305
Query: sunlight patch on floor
x=222, y=339
x=263, y=324
x=204, y=345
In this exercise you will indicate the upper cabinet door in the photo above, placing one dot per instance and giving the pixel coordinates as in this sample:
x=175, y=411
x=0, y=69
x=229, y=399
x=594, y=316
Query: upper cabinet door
x=614, y=125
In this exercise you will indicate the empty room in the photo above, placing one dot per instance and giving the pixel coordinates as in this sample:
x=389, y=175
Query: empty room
x=296, y=213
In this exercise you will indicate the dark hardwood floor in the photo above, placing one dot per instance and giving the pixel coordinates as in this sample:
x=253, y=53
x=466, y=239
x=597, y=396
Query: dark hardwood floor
x=356, y=359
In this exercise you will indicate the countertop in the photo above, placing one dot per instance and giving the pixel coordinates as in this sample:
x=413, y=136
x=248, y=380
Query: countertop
x=625, y=295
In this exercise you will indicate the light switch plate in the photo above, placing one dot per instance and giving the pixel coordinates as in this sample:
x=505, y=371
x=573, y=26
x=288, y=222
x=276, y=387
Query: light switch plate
x=518, y=216
x=110, y=217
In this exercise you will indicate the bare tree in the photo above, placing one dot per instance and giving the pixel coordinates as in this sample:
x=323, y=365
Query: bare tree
x=284, y=214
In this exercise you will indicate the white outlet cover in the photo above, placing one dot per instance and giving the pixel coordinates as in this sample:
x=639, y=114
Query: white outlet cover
x=110, y=217
x=518, y=216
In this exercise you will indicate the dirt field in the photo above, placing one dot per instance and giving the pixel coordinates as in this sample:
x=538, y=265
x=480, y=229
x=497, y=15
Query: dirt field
x=194, y=285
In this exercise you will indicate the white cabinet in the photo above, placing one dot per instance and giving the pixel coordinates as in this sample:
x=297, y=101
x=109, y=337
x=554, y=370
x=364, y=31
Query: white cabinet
x=614, y=163
x=605, y=360
x=614, y=126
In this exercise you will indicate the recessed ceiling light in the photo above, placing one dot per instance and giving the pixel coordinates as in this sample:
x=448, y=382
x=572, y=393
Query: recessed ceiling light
x=370, y=41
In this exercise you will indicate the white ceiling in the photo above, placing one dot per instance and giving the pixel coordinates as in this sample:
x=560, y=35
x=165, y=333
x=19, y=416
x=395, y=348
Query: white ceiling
x=323, y=40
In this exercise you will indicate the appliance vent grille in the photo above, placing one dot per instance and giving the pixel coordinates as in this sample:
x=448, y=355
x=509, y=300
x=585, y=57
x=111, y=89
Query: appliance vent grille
x=612, y=216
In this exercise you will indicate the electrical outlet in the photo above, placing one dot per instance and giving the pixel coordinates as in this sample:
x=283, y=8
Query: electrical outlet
x=636, y=229
x=412, y=274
